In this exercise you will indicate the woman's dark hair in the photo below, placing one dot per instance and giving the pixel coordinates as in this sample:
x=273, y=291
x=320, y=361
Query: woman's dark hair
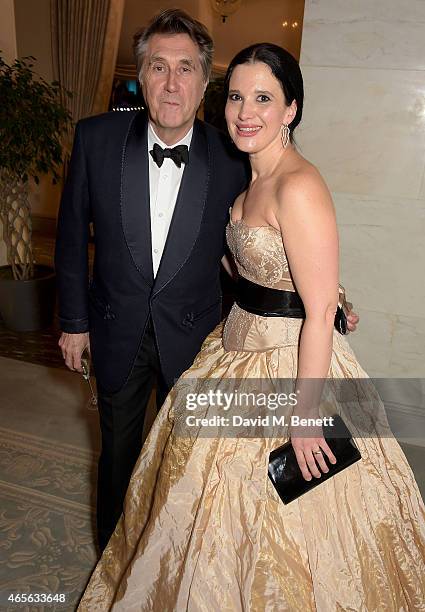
x=284, y=67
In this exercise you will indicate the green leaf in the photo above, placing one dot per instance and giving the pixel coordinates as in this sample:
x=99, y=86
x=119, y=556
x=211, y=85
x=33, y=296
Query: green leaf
x=34, y=119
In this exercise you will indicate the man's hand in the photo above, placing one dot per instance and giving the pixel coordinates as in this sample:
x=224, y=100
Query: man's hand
x=72, y=347
x=352, y=318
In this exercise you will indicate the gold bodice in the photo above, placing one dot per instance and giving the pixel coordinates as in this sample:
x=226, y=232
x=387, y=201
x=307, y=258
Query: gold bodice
x=259, y=254
x=260, y=257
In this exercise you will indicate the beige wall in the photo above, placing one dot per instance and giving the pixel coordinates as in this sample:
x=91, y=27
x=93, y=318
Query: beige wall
x=255, y=21
x=258, y=21
x=7, y=30
x=33, y=34
x=364, y=70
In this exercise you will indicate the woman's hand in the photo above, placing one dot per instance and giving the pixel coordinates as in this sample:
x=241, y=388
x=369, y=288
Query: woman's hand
x=310, y=452
x=230, y=266
x=352, y=318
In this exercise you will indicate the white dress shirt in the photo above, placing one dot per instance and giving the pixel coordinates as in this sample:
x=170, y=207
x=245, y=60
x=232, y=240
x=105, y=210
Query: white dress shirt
x=164, y=185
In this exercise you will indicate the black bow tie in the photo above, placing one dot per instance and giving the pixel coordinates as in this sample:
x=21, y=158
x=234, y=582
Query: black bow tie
x=178, y=154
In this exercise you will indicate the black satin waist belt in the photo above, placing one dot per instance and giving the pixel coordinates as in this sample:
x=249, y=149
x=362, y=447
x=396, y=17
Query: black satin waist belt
x=268, y=302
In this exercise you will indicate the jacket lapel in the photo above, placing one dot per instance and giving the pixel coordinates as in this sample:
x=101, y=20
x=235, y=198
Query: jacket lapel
x=187, y=216
x=135, y=209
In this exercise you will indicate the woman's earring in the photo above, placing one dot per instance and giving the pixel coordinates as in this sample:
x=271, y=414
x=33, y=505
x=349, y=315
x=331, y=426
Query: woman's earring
x=285, y=135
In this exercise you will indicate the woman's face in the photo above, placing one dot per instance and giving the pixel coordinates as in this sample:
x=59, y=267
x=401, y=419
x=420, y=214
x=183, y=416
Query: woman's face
x=256, y=108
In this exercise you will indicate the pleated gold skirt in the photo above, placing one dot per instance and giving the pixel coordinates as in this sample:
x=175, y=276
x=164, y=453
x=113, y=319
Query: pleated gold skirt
x=203, y=529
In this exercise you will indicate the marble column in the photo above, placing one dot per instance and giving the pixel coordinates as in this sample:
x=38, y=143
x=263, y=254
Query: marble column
x=364, y=70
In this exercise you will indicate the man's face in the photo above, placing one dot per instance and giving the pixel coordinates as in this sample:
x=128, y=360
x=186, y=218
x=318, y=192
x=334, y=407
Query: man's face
x=172, y=84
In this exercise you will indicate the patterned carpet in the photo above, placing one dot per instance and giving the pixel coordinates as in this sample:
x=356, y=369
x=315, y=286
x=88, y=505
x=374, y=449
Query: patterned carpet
x=46, y=518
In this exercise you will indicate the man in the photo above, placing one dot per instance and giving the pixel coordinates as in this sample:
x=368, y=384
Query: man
x=157, y=189
x=159, y=237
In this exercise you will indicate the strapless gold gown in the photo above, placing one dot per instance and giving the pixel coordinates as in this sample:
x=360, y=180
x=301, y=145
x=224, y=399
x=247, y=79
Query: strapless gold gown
x=203, y=529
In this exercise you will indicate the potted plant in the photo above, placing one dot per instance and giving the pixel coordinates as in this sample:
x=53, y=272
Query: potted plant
x=33, y=122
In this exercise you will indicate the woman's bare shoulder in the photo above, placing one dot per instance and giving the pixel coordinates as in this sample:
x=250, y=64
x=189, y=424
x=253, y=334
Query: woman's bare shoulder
x=303, y=185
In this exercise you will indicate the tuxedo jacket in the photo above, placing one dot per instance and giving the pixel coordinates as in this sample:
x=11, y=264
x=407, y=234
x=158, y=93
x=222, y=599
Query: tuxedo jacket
x=108, y=185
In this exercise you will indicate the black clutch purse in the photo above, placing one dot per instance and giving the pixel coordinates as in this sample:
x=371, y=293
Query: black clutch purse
x=285, y=473
x=340, y=322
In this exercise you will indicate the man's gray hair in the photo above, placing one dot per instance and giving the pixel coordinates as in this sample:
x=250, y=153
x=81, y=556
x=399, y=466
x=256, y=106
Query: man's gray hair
x=175, y=21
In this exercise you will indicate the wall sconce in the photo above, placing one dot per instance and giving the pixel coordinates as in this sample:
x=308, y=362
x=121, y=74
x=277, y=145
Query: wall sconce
x=225, y=7
x=294, y=24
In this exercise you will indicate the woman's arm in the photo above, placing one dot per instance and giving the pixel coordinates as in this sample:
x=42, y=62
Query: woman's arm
x=306, y=217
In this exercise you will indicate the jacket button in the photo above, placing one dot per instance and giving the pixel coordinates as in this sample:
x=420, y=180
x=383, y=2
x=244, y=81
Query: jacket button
x=108, y=316
x=188, y=320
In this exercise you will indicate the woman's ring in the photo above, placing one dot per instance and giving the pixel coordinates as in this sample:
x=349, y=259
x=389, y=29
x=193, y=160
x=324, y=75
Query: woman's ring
x=318, y=452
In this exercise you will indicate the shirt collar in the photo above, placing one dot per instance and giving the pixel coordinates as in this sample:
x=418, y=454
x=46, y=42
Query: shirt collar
x=153, y=138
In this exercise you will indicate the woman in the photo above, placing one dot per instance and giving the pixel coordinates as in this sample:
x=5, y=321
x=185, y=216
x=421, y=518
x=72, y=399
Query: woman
x=203, y=528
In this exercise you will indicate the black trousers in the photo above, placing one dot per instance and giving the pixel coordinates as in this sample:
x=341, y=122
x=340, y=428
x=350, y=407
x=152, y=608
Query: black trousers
x=122, y=415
